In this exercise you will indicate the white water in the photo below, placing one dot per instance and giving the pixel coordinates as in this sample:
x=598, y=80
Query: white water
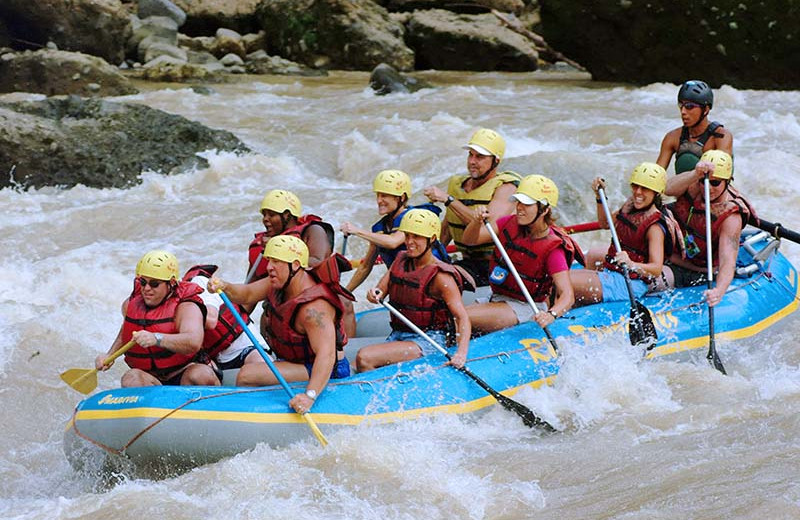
x=642, y=440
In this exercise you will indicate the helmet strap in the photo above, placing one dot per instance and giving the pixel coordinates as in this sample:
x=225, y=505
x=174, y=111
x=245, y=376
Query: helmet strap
x=482, y=176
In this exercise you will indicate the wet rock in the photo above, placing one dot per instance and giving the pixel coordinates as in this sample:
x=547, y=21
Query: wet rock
x=172, y=70
x=449, y=41
x=161, y=27
x=65, y=141
x=386, y=80
x=457, y=6
x=260, y=62
x=96, y=27
x=54, y=72
x=227, y=41
x=342, y=34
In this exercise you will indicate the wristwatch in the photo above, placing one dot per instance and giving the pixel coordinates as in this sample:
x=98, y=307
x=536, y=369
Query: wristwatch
x=553, y=314
x=449, y=200
x=158, y=337
x=312, y=394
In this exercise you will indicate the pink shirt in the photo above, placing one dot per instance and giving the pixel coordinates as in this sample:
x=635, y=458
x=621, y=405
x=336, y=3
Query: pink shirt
x=556, y=260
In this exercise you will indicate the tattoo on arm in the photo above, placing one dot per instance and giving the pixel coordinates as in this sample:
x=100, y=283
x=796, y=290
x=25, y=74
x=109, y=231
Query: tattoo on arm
x=315, y=317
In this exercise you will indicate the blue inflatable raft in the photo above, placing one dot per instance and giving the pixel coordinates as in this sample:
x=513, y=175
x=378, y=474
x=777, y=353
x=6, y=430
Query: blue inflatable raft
x=175, y=428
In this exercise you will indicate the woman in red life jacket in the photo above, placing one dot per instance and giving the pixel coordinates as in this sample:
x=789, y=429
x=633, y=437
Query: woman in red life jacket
x=647, y=233
x=541, y=252
x=730, y=212
x=304, y=321
x=425, y=290
x=165, y=318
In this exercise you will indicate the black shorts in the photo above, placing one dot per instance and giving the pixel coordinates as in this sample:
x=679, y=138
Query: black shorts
x=686, y=277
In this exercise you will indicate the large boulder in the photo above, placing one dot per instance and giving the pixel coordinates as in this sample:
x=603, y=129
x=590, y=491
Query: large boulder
x=341, y=34
x=386, y=80
x=449, y=41
x=64, y=141
x=204, y=17
x=746, y=44
x=96, y=27
x=54, y=72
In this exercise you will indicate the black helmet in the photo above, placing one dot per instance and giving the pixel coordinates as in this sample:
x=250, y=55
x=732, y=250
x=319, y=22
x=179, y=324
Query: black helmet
x=697, y=91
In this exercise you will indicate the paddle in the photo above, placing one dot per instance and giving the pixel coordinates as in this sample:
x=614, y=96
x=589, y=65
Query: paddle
x=344, y=244
x=514, y=272
x=582, y=227
x=307, y=416
x=776, y=230
x=252, y=271
x=641, y=331
x=528, y=417
x=712, y=355
x=85, y=380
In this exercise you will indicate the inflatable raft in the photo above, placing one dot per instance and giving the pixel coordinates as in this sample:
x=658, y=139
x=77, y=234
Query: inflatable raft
x=173, y=428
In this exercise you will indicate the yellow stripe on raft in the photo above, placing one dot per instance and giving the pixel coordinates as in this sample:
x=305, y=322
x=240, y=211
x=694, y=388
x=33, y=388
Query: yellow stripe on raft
x=291, y=418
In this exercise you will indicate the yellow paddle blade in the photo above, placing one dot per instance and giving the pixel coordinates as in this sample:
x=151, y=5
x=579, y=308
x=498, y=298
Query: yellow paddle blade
x=82, y=380
x=314, y=428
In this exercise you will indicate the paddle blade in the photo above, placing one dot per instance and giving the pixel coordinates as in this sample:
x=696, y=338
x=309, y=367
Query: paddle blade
x=82, y=380
x=530, y=419
x=642, y=330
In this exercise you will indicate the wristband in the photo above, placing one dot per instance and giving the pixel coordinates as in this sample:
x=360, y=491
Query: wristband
x=597, y=200
x=553, y=314
x=449, y=200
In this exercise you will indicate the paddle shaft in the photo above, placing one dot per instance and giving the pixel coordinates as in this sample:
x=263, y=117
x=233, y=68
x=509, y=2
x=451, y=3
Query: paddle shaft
x=252, y=272
x=712, y=355
x=344, y=244
x=615, y=239
x=582, y=227
x=777, y=230
x=270, y=364
x=526, y=413
x=127, y=346
x=514, y=272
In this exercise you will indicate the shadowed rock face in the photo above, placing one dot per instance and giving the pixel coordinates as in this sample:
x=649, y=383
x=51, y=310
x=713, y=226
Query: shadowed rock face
x=64, y=141
x=386, y=80
x=96, y=27
x=747, y=44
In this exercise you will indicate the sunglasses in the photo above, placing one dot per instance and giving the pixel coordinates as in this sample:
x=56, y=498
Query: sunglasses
x=688, y=105
x=713, y=182
x=152, y=283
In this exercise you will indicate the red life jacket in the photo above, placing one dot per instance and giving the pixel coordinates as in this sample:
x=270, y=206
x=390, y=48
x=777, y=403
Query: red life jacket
x=692, y=218
x=156, y=360
x=256, y=249
x=529, y=256
x=285, y=341
x=228, y=329
x=409, y=292
x=632, y=226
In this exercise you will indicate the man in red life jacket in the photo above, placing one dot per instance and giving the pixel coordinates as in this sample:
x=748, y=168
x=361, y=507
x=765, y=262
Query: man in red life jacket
x=165, y=318
x=425, y=290
x=304, y=321
x=729, y=214
x=281, y=213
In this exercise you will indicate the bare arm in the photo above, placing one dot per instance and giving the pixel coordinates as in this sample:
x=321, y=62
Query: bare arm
x=681, y=183
x=724, y=143
x=243, y=294
x=476, y=232
x=390, y=241
x=446, y=288
x=728, y=251
x=565, y=298
x=364, y=268
x=316, y=320
x=655, y=252
x=319, y=245
x=669, y=145
x=378, y=292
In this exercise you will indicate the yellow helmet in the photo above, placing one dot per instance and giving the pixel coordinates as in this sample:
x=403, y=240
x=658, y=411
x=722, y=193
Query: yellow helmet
x=723, y=163
x=487, y=142
x=537, y=188
x=392, y=182
x=158, y=265
x=421, y=222
x=651, y=176
x=287, y=248
x=280, y=201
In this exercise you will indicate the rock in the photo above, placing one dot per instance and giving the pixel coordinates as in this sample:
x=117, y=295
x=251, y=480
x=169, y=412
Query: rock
x=342, y=34
x=169, y=69
x=204, y=17
x=660, y=40
x=159, y=27
x=96, y=27
x=261, y=63
x=200, y=57
x=157, y=49
x=386, y=80
x=254, y=42
x=460, y=6
x=227, y=41
x=65, y=141
x=165, y=8
x=198, y=43
x=61, y=72
x=229, y=60
x=448, y=41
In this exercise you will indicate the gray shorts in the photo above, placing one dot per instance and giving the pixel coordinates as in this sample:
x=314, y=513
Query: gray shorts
x=424, y=345
x=521, y=309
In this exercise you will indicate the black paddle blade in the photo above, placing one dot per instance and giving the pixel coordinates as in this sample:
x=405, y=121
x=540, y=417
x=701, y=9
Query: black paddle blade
x=641, y=329
x=715, y=361
x=530, y=419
